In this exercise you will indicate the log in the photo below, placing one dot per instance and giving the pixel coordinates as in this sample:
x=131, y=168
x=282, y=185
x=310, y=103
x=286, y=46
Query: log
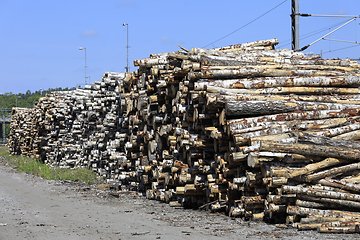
x=243, y=108
x=285, y=90
x=323, y=225
x=310, y=168
x=332, y=172
x=351, y=229
x=307, y=115
x=354, y=135
x=275, y=131
x=307, y=149
x=301, y=211
x=320, y=193
x=161, y=131
x=273, y=82
x=334, y=131
x=259, y=72
x=294, y=124
x=223, y=98
x=279, y=66
x=331, y=203
x=320, y=139
x=339, y=184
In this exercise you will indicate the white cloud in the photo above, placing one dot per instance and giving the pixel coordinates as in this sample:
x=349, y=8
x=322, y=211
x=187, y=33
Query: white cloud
x=340, y=12
x=90, y=33
x=165, y=38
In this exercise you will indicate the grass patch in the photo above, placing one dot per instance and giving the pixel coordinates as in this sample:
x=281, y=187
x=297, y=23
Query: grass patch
x=32, y=166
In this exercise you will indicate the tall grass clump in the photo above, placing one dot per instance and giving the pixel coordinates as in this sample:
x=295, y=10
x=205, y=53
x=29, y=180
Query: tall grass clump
x=32, y=166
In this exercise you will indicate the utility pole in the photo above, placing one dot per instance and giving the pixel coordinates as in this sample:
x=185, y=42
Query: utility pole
x=127, y=47
x=83, y=48
x=295, y=25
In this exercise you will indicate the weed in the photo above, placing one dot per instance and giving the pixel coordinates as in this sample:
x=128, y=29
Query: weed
x=32, y=166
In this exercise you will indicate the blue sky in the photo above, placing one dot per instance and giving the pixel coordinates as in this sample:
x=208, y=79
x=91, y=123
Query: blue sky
x=40, y=39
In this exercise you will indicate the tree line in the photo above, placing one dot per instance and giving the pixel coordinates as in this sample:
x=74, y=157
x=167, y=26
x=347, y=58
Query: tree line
x=26, y=100
x=23, y=100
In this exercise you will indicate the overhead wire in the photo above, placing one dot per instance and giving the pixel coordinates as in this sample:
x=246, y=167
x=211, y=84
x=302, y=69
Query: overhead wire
x=340, y=49
x=312, y=33
x=246, y=24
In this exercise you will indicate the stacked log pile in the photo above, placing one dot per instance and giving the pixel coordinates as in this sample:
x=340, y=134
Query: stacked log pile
x=21, y=138
x=78, y=128
x=246, y=129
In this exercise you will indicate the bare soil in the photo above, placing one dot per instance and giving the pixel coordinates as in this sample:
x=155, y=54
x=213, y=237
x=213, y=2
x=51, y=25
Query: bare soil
x=35, y=208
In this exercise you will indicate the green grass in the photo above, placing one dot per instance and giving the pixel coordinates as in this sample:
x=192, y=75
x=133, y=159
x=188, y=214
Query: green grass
x=32, y=166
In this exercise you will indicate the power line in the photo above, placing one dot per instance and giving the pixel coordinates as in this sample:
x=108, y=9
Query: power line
x=340, y=49
x=247, y=23
x=312, y=33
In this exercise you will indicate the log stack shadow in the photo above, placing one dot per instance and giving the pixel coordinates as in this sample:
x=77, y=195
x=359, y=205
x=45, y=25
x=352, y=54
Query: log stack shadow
x=248, y=130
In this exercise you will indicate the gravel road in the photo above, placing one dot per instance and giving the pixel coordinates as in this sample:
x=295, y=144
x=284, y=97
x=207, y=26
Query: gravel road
x=35, y=208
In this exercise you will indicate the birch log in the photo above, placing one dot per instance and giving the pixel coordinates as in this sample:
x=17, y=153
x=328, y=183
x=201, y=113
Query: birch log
x=236, y=108
x=222, y=99
x=320, y=193
x=302, y=211
x=333, y=172
x=310, y=168
x=307, y=115
x=308, y=149
x=339, y=184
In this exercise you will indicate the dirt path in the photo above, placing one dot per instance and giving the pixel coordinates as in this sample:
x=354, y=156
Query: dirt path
x=34, y=208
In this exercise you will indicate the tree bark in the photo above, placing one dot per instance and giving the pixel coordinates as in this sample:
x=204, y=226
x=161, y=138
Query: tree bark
x=260, y=72
x=320, y=140
x=310, y=150
x=351, y=99
x=285, y=90
x=320, y=193
x=354, y=135
x=244, y=108
x=331, y=203
x=310, y=168
x=306, y=115
x=337, y=223
x=301, y=211
x=333, y=172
